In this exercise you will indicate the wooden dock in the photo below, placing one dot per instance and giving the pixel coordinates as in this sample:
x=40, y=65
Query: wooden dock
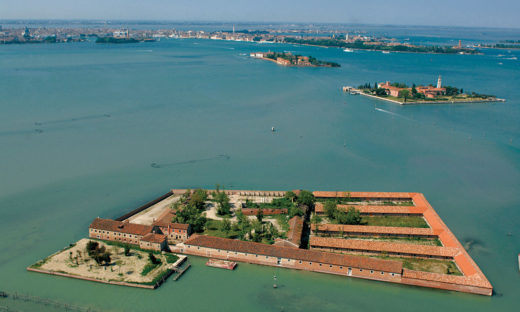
x=180, y=271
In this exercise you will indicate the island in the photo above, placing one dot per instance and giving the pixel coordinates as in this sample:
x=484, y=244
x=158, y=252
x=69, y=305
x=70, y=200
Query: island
x=504, y=44
x=116, y=40
x=402, y=94
x=390, y=237
x=380, y=45
x=289, y=59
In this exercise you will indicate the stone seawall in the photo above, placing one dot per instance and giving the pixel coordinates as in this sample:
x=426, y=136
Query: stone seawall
x=289, y=263
x=92, y=279
x=143, y=207
x=332, y=269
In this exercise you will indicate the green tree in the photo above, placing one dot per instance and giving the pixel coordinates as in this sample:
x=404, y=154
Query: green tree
x=291, y=195
x=405, y=94
x=381, y=92
x=225, y=226
x=222, y=200
x=353, y=216
x=330, y=209
x=198, y=199
x=295, y=211
x=260, y=215
x=316, y=220
x=306, y=198
x=189, y=214
x=153, y=259
x=127, y=250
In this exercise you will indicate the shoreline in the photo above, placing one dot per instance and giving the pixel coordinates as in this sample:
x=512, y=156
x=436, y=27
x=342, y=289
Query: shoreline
x=493, y=100
x=290, y=65
x=378, y=50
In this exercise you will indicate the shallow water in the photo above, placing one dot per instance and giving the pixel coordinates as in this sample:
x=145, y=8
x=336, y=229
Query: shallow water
x=82, y=124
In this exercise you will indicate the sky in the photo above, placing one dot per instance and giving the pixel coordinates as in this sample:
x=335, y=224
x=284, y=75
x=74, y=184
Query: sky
x=470, y=13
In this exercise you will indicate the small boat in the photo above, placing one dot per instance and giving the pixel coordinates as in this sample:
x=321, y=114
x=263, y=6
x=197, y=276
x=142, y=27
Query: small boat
x=273, y=129
x=221, y=264
x=348, y=50
x=386, y=52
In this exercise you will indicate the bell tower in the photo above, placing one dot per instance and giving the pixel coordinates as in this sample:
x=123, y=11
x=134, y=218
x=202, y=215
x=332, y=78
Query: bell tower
x=439, y=82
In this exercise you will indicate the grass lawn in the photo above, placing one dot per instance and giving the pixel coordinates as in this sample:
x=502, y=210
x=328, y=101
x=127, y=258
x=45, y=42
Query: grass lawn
x=430, y=265
x=424, y=265
x=401, y=221
x=357, y=201
x=283, y=221
x=213, y=229
x=404, y=240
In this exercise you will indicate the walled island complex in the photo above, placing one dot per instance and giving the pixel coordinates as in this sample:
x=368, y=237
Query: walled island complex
x=390, y=237
x=402, y=94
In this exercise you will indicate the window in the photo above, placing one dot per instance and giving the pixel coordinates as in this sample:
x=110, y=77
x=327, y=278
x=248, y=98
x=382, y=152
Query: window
x=300, y=262
x=360, y=270
x=393, y=274
x=320, y=264
x=371, y=271
x=331, y=265
x=310, y=263
x=382, y=273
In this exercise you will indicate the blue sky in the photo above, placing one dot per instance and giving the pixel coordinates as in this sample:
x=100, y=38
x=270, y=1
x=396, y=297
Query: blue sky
x=490, y=13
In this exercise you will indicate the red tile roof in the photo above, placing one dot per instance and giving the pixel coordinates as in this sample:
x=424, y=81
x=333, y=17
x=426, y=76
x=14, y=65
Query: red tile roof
x=374, y=195
x=294, y=235
x=368, y=245
x=120, y=226
x=294, y=253
x=375, y=209
x=165, y=220
x=154, y=238
x=373, y=229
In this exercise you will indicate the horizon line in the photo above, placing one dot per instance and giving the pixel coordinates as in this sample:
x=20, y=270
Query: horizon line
x=3, y=20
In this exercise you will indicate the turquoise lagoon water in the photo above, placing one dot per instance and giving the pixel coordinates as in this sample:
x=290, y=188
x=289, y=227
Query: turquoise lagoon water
x=81, y=124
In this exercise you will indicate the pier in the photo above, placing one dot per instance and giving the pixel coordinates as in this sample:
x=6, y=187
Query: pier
x=180, y=271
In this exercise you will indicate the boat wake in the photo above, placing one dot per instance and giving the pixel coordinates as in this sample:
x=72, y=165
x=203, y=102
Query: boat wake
x=391, y=113
x=68, y=120
x=192, y=161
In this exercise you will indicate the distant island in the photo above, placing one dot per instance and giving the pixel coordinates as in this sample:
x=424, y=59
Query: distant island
x=505, y=44
x=289, y=59
x=401, y=93
x=115, y=40
x=121, y=36
x=379, y=45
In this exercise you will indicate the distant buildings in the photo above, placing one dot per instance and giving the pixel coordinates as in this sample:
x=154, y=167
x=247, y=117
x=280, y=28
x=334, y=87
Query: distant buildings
x=121, y=33
x=428, y=91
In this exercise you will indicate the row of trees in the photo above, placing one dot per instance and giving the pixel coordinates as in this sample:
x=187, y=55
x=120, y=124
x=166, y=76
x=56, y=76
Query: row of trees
x=98, y=253
x=189, y=209
x=340, y=215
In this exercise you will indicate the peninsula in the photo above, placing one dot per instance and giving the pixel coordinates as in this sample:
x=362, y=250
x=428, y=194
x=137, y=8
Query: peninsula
x=390, y=237
x=289, y=59
x=403, y=94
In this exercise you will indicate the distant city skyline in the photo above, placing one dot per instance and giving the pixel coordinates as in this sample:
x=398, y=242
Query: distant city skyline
x=502, y=13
